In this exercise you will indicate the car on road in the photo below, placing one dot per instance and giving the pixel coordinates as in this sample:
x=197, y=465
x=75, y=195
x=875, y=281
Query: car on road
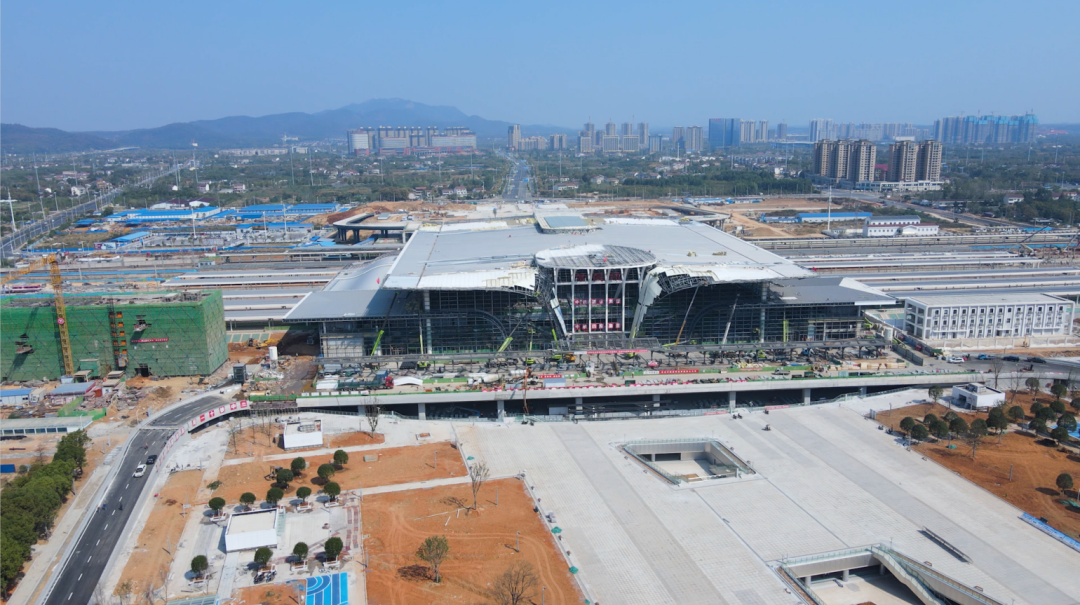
x=1010, y=358
x=954, y=359
x=1036, y=360
x=151, y=459
x=140, y=470
x=984, y=357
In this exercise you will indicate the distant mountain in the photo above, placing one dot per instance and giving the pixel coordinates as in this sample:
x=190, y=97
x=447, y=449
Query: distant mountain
x=16, y=138
x=243, y=131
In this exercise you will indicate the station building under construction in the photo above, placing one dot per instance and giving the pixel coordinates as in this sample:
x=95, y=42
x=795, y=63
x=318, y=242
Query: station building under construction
x=575, y=283
x=160, y=334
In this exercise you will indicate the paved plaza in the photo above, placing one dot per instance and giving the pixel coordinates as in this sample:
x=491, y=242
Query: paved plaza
x=826, y=480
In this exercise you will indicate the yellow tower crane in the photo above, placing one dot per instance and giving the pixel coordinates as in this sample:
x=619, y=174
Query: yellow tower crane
x=58, y=296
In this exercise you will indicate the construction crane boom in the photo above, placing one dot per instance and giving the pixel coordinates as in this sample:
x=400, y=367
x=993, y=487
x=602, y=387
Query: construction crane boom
x=58, y=297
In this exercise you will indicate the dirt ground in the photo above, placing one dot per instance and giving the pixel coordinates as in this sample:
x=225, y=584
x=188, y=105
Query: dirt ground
x=267, y=594
x=396, y=465
x=162, y=530
x=482, y=545
x=357, y=438
x=1034, y=463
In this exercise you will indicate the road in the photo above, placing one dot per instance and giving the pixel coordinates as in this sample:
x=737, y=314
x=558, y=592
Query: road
x=517, y=186
x=85, y=562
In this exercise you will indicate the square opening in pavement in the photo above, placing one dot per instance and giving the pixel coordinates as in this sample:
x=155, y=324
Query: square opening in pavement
x=688, y=461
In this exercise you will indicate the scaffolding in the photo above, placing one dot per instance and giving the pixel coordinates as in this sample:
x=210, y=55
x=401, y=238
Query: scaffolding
x=163, y=334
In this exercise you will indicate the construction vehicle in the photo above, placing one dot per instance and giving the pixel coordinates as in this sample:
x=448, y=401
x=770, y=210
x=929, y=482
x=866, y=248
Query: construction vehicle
x=58, y=296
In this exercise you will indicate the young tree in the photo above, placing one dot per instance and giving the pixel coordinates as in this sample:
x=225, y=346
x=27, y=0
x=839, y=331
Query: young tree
x=274, y=495
x=1058, y=407
x=341, y=457
x=1075, y=404
x=371, y=412
x=935, y=393
x=247, y=499
x=332, y=489
x=1038, y=425
x=958, y=426
x=262, y=556
x=1046, y=414
x=298, y=465
x=978, y=427
x=1065, y=482
x=216, y=504
x=1016, y=413
x=332, y=548
x=434, y=551
x=478, y=474
x=1067, y=420
x=300, y=550
x=1060, y=434
x=1032, y=384
x=930, y=419
x=303, y=492
x=996, y=365
x=939, y=429
x=919, y=432
x=517, y=585
x=199, y=565
x=284, y=476
x=326, y=471
x=1059, y=390
x=907, y=424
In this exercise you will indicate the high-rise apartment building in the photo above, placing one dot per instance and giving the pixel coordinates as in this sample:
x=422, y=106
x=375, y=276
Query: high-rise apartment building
x=610, y=143
x=513, y=136
x=643, y=133
x=845, y=160
x=609, y=129
x=630, y=143
x=694, y=141
x=761, y=132
x=928, y=161
x=861, y=157
x=821, y=129
x=656, y=143
x=627, y=129
x=746, y=131
x=981, y=130
x=585, y=143
x=724, y=132
x=558, y=141
x=678, y=138
x=781, y=131
x=902, y=155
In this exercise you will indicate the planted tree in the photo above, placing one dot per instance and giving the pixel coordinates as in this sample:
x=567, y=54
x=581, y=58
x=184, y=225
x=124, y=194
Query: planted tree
x=958, y=426
x=1015, y=413
x=1059, y=390
x=247, y=499
x=930, y=419
x=517, y=585
x=1035, y=407
x=478, y=474
x=199, y=565
x=939, y=429
x=1060, y=434
x=1046, y=414
x=341, y=457
x=434, y=551
x=300, y=550
x=1075, y=404
x=262, y=556
x=935, y=393
x=332, y=548
x=274, y=495
x=216, y=504
x=1065, y=482
x=303, y=492
x=371, y=412
x=326, y=471
x=1032, y=384
x=1068, y=421
x=978, y=428
x=907, y=424
x=332, y=489
x=1038, y=425
x=298, y=465
x=284, y=476
x=919, y=432
x=1058, y=407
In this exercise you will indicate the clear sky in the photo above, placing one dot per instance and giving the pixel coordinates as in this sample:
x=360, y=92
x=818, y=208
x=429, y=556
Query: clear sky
x=118, y=64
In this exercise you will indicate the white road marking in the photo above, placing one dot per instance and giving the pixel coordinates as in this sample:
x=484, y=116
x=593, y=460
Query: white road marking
x=98, y=542
x=69, y=596
x=121, y=499
x=114, y=511
x=88, y=558
x=80, y=577
x=127, y=486
x=106, y=527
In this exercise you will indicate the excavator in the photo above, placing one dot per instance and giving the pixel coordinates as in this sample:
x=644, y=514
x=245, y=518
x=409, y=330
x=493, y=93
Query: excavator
x=58, y=296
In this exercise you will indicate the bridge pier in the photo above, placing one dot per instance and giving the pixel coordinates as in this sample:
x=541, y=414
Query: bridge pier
x=731, y=401
x=501, y=405
x=421, y=411
x=806, y=396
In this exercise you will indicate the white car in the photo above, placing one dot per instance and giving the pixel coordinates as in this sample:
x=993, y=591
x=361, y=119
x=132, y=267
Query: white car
x=955, y=359
x=140, y=470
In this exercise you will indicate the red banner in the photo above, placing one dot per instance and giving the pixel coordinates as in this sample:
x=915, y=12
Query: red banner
x=682, y=371
x=221, y=410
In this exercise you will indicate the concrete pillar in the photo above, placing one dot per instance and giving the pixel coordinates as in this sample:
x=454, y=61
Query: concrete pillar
x=862, y=391
x=502, y=408
x=421, y=411
x=731, y=400
x=881, y=569
x=806, y=396
x=806, y=581
x=656, y=398
x=844, y=577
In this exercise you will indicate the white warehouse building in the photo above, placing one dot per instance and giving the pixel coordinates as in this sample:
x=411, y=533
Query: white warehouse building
x=251, y=530
x=893, y=226
x=989, y=320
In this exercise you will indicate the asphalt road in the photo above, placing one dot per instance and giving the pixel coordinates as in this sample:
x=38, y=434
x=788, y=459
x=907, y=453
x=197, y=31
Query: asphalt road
x=83, y=567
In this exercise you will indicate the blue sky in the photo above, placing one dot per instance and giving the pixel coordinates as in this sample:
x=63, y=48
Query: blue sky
x=119, y=65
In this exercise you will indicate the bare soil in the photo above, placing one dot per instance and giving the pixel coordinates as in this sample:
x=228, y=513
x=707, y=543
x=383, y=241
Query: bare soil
x=1034, y=464
x=482, y=545
x=162, y=531
x=396, y=465
x=357, y=438
x=268, y=594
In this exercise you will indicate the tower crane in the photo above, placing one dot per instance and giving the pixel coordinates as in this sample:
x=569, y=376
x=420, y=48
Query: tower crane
x=58, y=297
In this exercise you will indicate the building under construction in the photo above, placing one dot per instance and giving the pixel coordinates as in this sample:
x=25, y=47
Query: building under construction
x=160, y=334
x=574, y=283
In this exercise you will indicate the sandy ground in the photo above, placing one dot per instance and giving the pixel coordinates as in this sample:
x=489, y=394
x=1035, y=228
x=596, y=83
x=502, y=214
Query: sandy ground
x=1035, y=465
x=356, y=438
x=482, y=545
x=267, y=594
x=162, y=531
x=395, y=465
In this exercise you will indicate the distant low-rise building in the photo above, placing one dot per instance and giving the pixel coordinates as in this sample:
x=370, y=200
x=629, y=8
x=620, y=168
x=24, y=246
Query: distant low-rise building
x=989, y=320
x=893, y=226
x=977, y=396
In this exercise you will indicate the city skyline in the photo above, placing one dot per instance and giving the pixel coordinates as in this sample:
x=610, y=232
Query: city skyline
x=142, y=75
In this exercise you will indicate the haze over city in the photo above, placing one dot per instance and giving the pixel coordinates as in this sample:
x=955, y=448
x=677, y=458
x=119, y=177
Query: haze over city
x=125, y=65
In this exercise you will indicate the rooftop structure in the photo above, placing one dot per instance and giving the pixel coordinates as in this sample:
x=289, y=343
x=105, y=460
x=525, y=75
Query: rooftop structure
x=251, y=530
x=31, y=426
x=981, y=320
